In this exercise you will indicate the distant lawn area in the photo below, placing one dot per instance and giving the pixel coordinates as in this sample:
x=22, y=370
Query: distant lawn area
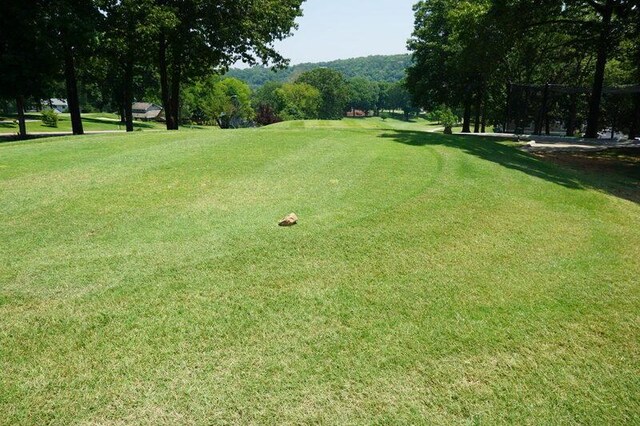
x=431, y=280
x=91, y=122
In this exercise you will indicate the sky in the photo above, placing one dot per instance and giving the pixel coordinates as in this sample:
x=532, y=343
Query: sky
x=340, y=29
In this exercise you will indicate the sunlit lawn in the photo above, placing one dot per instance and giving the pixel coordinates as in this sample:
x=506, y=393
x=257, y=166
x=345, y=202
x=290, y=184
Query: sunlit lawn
x=91, y=122
x=431, y=279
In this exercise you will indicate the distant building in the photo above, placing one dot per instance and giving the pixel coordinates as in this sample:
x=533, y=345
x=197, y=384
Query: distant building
x=147, y=112
x=356, y=113
x=58, y=105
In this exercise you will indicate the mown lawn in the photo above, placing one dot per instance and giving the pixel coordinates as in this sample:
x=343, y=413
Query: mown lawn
x=431, y=279
x=91, y=122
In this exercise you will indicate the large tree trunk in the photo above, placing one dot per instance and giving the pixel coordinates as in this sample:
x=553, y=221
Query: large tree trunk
x=72, y=91
x=635, y=124
x=128, y=95
x=21, y=121
x=593, y=118
x=476, y=124
x=571, y=119
x=174, y=99
x=164, y=82
x=483, y=128
x=478, y=106
x=507, y=116
x=466, y=119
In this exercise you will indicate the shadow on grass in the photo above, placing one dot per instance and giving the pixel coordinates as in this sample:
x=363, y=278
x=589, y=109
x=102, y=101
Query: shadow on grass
x=115, y=123
x=623, y=182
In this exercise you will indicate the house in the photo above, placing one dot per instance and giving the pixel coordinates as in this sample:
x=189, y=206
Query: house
x=356, y=113
x=147, y=112
x=58, y=105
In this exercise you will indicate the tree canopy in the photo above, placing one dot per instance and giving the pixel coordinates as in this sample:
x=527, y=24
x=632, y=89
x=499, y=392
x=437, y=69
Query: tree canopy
x=332, y=87
x=466, y=52
x=119, y=42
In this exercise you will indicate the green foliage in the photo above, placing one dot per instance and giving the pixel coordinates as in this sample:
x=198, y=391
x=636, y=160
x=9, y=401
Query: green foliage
x=215, y=34
x=299, y=101
x=49, y=118
x=363, y=94
x=216, y=100
x=275, y=102
x=333, y=88
x=27, y=51
x=373, y=68
x=447, y=118
x=465, y=51
x=398, y=97
x=268, y=95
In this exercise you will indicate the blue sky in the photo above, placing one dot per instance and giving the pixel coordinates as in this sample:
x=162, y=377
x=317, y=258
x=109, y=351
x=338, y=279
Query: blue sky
x=339, y=29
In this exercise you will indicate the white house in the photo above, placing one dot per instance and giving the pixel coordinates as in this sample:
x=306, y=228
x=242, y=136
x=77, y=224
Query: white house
x=58, y=105
x=147, y=112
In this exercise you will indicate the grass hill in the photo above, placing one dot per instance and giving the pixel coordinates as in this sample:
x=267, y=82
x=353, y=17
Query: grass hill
x=375, y=68
x=431, y=278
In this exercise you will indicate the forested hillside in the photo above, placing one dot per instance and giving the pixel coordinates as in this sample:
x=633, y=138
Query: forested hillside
x=375, y=68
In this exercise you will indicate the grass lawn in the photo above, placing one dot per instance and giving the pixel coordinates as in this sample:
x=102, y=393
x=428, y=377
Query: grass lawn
x=91, y=122
x=431, y=279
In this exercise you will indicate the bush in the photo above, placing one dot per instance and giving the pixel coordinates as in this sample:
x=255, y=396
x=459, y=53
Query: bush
x=49, y=118
x=265, y=115
x=448, y=119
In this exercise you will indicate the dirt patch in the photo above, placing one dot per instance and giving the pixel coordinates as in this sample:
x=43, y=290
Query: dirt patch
x=615, y=170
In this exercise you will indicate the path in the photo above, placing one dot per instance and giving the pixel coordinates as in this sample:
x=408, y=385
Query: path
x=560, y=143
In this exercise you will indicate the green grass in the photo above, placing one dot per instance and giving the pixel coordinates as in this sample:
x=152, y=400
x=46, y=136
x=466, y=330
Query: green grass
x=431, y=279
x=91, y=122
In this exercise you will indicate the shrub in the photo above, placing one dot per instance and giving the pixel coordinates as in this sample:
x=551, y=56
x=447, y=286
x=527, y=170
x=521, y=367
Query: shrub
x=49, y=118
x=265, y=115
x=448, y=119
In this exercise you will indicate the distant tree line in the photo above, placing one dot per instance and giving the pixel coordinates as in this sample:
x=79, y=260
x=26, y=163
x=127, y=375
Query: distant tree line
x=319, y=93
x=467, y=52
x=119, y=50
x=382, y=68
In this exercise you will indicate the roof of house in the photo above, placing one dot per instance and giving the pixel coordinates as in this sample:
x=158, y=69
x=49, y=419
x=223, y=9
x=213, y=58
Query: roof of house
x=145, y=106
x=57, y=101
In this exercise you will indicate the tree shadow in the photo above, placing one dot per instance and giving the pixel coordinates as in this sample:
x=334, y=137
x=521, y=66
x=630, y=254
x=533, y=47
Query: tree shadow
x=622, y=181
x=116, y=123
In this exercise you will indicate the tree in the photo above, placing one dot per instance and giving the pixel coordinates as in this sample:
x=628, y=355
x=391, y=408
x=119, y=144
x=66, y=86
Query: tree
x=363, y=94
x=201, y=35
x=606, y=26
x=73, y=24
x=26, y=57
x=333, y=88
x=224, y=101
x=299, y=101
x=398, y=97
x=268, y=97
x=128, y=24
x=458, y=48
x=634, y=55
x=466, y=52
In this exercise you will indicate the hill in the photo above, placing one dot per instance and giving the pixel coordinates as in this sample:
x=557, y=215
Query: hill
x=375, y=68
x=431, y=279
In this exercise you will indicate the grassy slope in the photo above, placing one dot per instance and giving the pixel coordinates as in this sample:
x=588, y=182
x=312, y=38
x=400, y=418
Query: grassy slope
x=91, y=122
x=430, y=278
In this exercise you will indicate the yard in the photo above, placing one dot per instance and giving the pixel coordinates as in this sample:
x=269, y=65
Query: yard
x=431, y=278
x=91, y=121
